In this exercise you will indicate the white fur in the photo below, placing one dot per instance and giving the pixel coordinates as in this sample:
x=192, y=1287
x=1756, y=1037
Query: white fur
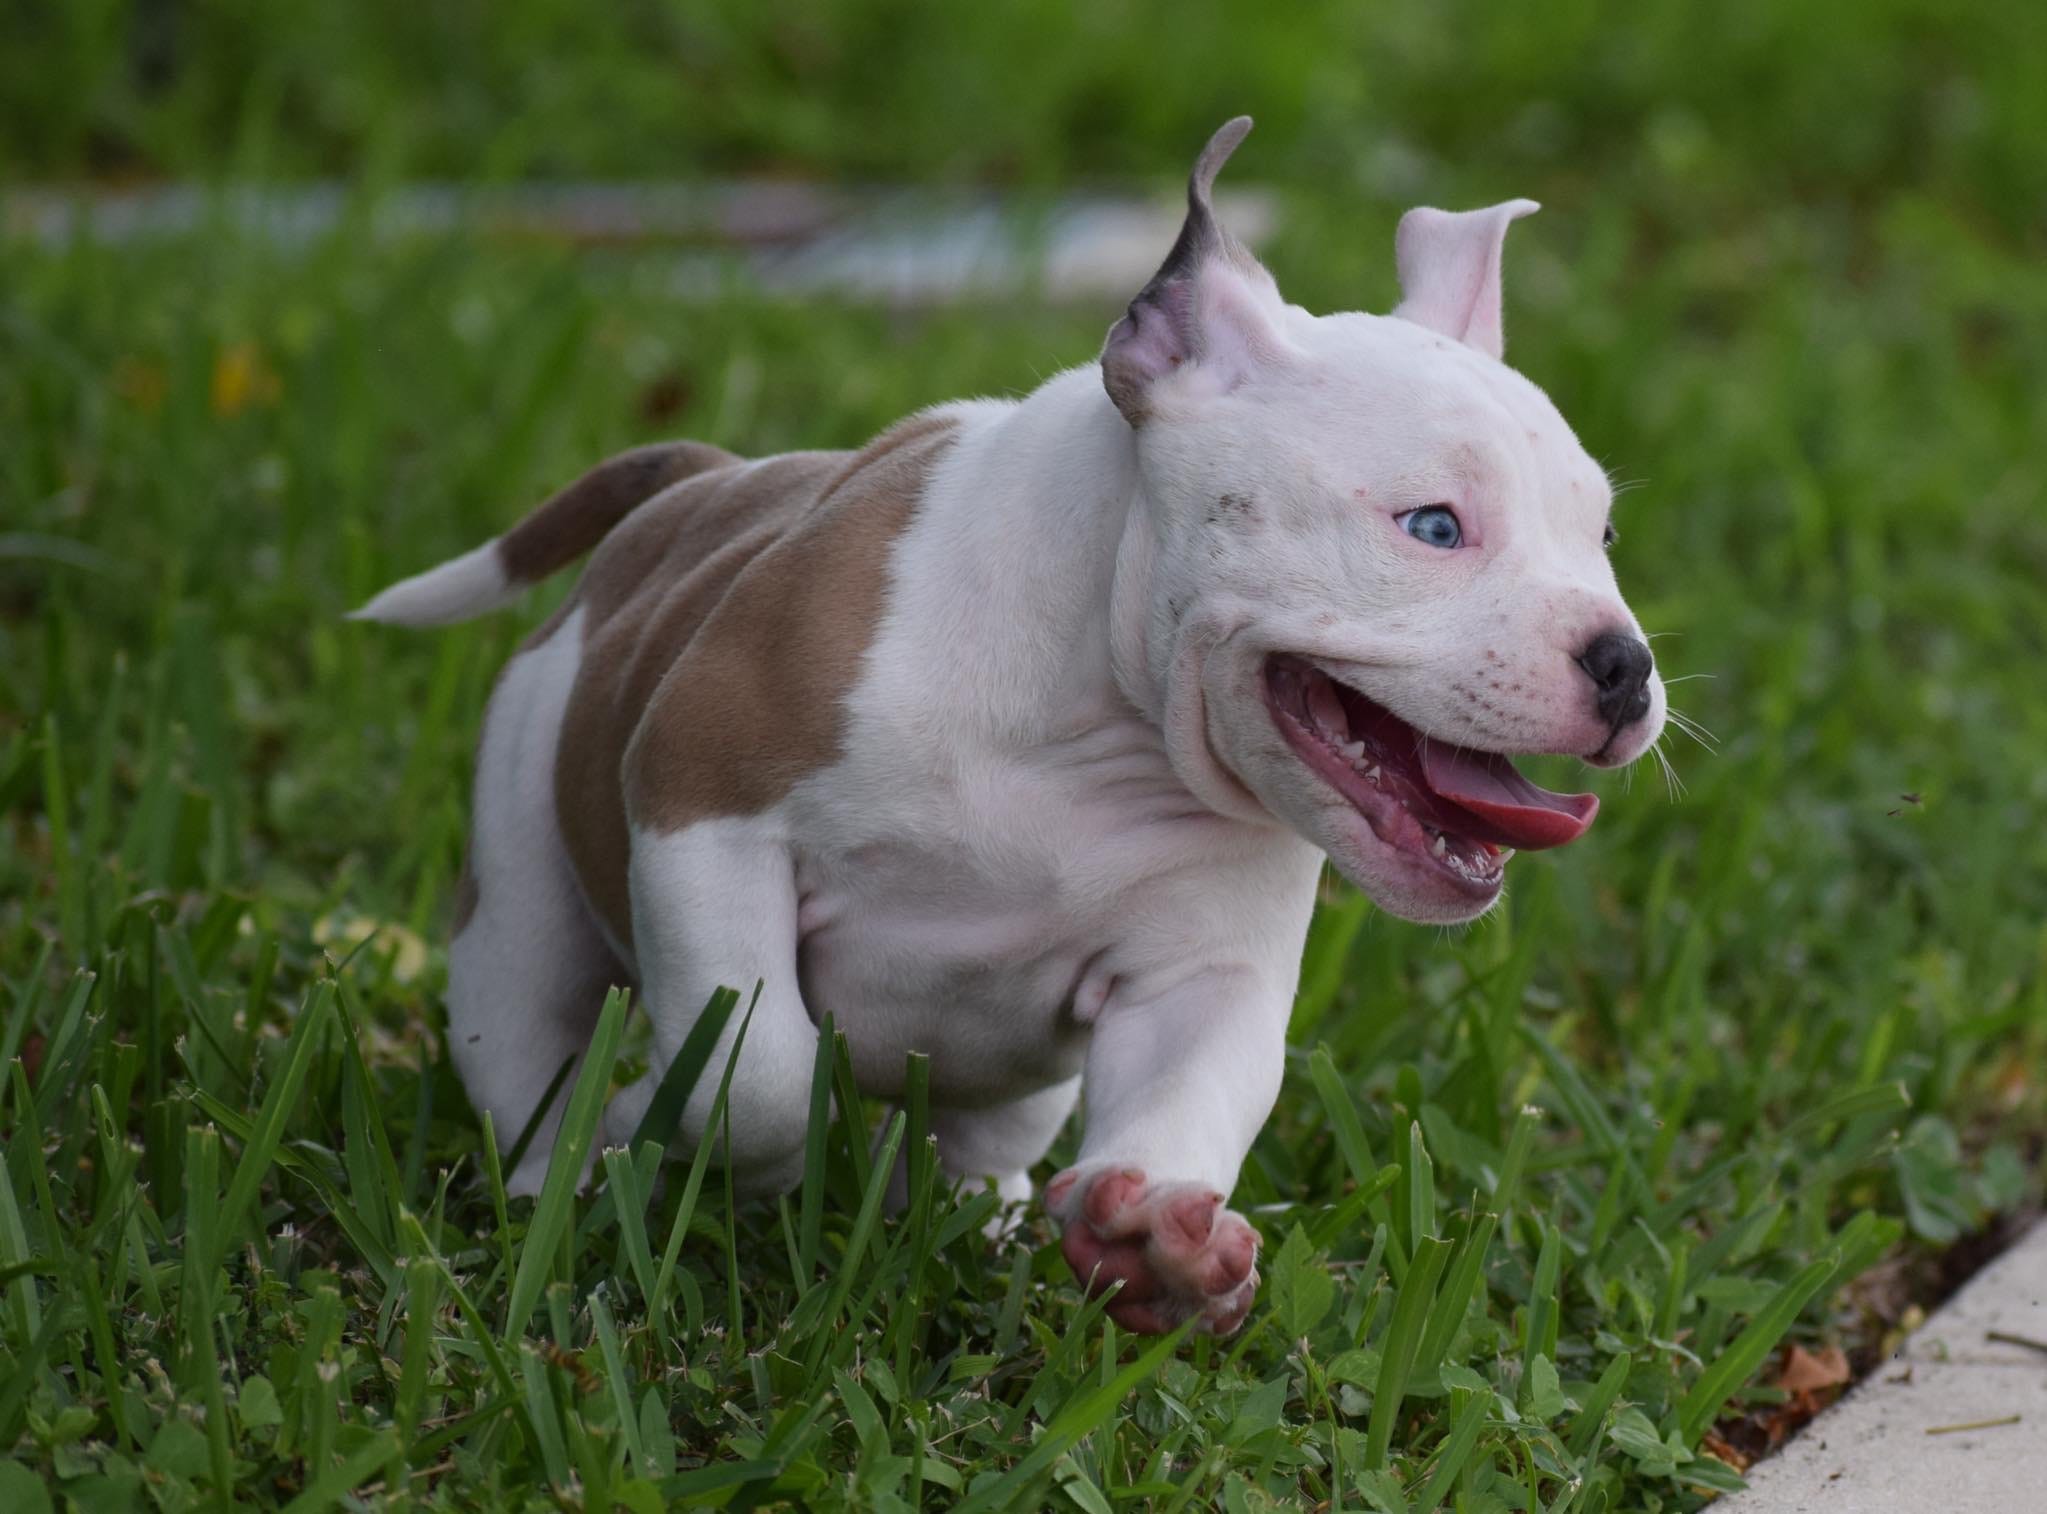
x=459, y=588
x=527, y=975
x=1065, y=836
x=715, y=905
x=1450, y=270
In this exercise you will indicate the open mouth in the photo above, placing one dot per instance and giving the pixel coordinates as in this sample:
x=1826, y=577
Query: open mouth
x=1462, y=813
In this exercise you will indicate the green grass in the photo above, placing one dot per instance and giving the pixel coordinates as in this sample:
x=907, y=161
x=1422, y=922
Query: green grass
x=1540, y=1199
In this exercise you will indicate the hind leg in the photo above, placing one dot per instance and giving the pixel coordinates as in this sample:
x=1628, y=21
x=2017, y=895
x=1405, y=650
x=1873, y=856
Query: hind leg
x=714, y=905
x=528, y=969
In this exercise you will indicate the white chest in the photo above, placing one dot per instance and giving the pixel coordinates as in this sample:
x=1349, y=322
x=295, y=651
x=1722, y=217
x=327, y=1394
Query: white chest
x=986, y=914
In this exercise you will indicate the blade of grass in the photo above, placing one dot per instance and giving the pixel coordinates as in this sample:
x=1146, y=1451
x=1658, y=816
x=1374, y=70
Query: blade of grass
x=630, y=1213
x=1077, y=1418
x=1417, y=1292
x=619, y=1381
x=21, y=1380
x=1738, y=1363
x=200, y=1368
x=663, y=1116
x=685, y=1209
x=1421, y=1186
x=422, y=1301
x=852, y=1115
x=531, y=1129
x=308, y=1169
x=337, y=1482
x=1539, y=1325
x=1884, y=1099
x=553, y=1210
x=856, y=1244
x=22, y=1300
x=1586, y=1423
x=279, y=1104
x=1455, y=1453
x=1344, y=1124
x=810, y=1215
x=1341, y=1219
x=1455, y=1298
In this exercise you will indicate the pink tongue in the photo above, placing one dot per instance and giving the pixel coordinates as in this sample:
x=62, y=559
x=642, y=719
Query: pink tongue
x=1526, y=817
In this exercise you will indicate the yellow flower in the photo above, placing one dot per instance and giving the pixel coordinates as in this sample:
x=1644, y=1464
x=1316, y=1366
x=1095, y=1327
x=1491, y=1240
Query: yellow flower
x=242, y=378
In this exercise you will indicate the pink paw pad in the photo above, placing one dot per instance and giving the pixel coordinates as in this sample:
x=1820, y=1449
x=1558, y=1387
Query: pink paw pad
x=1178, y=1253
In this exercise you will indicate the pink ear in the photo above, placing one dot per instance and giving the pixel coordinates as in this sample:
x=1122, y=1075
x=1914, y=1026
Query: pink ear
x=1450, y=271
x=1206, y=306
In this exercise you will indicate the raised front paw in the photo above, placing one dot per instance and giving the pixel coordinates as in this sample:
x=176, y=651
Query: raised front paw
x=1177, y=1252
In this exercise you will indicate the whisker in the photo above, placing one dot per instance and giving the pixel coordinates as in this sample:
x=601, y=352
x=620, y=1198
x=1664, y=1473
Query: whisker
x=1673, y=785
x=1698, y=732
x=1693, y=729
x=1687, y=678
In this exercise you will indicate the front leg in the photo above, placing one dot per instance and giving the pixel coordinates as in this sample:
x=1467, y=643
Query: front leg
x=1177, y=1085
x=714, y=905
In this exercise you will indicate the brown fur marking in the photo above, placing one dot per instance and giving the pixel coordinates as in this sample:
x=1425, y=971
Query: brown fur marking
x=724, y=622
x=577, y=518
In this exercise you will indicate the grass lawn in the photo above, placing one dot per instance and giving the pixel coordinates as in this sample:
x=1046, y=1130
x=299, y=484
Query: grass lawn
x=1542, y=1199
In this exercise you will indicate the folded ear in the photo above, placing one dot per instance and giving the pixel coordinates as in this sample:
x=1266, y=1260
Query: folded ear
x=1211, y=304
x=1450, y=270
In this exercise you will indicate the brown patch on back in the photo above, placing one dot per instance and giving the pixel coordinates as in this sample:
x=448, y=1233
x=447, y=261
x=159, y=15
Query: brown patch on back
x=724, y=622
x=577, y=518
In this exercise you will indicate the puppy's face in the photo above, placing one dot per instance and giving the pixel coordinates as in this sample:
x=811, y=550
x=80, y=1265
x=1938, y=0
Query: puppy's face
x=1377, y=567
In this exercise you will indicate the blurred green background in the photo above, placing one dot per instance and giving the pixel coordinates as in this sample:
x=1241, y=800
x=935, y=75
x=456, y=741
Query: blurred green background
x=1693, y=108
x=1789, y=283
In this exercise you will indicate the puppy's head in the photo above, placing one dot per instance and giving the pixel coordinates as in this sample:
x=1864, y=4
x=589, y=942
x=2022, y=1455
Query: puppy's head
x=1372, y=563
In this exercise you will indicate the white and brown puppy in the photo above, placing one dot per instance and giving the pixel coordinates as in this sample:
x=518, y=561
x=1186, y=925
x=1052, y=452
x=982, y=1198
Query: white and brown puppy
x=1018, y=737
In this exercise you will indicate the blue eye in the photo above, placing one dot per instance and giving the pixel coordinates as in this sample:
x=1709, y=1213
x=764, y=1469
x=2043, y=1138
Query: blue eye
x=1434, y=524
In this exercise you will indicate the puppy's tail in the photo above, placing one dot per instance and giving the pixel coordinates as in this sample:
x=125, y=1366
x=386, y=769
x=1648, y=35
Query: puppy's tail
x=545, y=542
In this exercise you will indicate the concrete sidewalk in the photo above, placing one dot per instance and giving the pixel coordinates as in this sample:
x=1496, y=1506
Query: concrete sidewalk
x=1873, y=1451
x=891, y=245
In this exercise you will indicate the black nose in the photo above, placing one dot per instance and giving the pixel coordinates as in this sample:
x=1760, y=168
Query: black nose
x=1619, y=663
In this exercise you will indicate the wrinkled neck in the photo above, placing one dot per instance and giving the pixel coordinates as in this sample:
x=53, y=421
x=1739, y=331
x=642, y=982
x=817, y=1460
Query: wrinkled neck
x=1037, y=589
x=1132, y=627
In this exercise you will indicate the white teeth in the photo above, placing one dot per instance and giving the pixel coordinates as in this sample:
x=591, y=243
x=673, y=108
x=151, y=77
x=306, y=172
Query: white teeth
x=1440, y=845
x=1372, y=772
x=1352, y=750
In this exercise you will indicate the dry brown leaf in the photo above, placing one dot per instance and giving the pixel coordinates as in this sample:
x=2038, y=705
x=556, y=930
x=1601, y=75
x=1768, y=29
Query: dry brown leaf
x=1813, y=1371
x=1716, y=1446
x=1811, y=1380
